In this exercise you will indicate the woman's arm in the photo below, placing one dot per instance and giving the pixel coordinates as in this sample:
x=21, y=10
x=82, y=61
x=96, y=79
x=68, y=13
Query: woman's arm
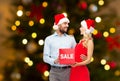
x=90, y=47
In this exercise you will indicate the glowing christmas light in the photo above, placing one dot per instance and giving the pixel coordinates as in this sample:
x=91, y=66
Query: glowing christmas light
x=65, y=14
x=41, y=42
x=112, y=30
x=105, y=34
x=20, y=7
x=24, y=41
x=34, y=35
x=45, y=4
x=98, y=19
x=101, y=2
x=107, y=67
x=42, y=21
x=46, y=73
x=92, y=59
x=31, y=23
x=27, y=13
x=13, y=28
x=117, y=73
x=95, y=32
x=103, y=61
x=17, y=23
x=19, y=13
x=30, y=63
x=27, y=59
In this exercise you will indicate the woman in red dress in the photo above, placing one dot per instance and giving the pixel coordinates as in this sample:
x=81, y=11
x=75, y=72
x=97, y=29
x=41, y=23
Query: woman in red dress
x=79, y=70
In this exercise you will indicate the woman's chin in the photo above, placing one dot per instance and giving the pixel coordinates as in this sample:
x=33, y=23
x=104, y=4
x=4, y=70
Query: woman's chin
x=81, y=33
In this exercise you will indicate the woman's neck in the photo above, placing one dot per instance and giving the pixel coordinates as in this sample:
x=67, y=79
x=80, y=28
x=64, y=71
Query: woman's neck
x=85, y=38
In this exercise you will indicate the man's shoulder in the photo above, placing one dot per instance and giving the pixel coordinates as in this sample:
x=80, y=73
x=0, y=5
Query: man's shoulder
x=71, y=36
x=50, y=36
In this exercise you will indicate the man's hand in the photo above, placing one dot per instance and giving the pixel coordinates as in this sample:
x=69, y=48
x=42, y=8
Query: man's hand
x=56, y=61
x=75, y=64
x=83, y=57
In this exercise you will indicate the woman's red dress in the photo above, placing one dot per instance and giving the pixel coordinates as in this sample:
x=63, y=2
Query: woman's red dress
x=79, y=73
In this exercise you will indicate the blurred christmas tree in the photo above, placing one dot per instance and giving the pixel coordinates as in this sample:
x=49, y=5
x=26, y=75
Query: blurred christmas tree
x=34, y=21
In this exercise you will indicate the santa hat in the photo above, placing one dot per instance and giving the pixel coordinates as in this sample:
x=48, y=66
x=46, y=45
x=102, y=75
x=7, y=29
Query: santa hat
x=59, y=19
x=88, y=25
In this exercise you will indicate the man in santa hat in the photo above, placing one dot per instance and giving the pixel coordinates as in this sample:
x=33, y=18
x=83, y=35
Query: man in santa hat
x=54, y=42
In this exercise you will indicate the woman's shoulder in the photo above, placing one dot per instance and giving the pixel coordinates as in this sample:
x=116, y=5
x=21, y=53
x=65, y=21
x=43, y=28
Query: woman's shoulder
x=90, y=41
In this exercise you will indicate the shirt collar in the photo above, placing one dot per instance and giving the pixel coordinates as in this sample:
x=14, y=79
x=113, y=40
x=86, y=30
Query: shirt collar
x=55, y=34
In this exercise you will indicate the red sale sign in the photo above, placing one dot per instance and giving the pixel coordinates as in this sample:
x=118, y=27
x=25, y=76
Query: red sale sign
x=66, y=56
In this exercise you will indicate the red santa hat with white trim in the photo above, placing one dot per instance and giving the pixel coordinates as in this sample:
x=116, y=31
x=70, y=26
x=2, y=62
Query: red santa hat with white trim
x=89, y=25
x=59, y=19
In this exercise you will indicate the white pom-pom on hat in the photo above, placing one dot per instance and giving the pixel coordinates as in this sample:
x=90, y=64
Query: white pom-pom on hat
x=55, y=27
x=89, y=25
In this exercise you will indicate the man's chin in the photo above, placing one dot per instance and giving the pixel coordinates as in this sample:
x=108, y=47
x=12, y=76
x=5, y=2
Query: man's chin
x=63, y=32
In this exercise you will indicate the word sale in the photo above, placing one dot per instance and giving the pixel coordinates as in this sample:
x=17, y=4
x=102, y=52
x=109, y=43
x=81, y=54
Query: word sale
x=67, y=56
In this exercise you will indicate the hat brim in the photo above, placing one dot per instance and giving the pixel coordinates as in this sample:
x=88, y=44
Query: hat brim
x=63, y=20
x=84, y=24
